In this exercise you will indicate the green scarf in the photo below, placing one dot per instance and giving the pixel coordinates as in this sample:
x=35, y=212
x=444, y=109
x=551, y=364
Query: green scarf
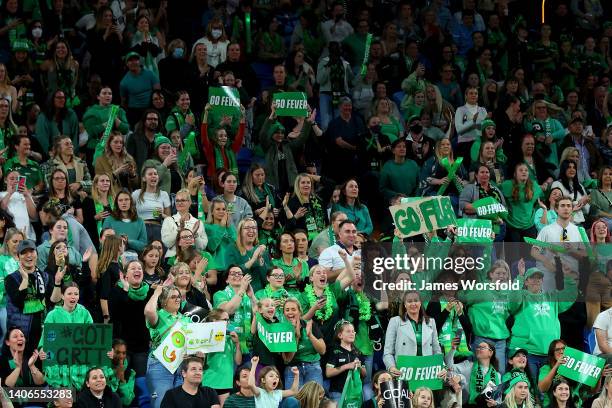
x=478, y=380
x=231, y=160
x=265, y=192
x=136, y=294
x=201, y=212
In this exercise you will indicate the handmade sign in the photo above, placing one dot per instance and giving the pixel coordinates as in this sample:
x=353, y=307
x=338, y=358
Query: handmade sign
x=277, y=337
x=224, y=100
x=190, y=339
x=582, y=367
x=290, y=104
x=421, y=215
x=421, y=371
x=395, y=393
x=77, y=344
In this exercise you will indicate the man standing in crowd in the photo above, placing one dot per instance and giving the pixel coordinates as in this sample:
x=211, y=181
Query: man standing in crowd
x=330, y=258
x=137, y=87
x=192, y=394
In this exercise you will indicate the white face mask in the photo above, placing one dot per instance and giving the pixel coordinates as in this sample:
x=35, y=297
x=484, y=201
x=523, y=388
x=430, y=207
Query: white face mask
x=216, y=34
x=37, y=32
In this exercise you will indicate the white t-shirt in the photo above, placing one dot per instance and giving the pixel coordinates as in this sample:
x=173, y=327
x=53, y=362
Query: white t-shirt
x=553, y=233
x=150, y=202
x=604, y=322
x=268, y=399
x=18, y=209
x=330, y=258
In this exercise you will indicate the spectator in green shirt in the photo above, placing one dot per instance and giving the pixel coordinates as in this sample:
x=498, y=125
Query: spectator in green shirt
x=25, y=167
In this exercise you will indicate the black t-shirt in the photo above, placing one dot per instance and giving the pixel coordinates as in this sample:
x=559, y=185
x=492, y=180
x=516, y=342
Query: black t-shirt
x=178, y=398
x=108, y=280
x=336, y=358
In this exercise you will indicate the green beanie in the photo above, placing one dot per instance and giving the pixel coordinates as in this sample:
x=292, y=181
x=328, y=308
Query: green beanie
x=276, y=128
x=486, y=123
x=160, y=140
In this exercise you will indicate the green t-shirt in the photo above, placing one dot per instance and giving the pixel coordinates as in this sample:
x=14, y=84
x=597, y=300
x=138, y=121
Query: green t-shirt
x=291, y=270
x=238, y=401
x=240, y=321
x=8, y=265
x=219, y=370
x=521, y=212
x=306, y=352
x=31, y=171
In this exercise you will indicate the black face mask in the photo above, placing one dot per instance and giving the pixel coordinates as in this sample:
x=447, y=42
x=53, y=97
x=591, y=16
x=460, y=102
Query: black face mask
x=417, y=129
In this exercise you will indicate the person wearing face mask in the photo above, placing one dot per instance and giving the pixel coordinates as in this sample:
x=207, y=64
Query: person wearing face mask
x=174, y=70
x=37, y=42
x=418, y=146
x=216, y=42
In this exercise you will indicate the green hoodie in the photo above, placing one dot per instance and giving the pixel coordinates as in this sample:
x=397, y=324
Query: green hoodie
x=95, y=120
x=536, y=321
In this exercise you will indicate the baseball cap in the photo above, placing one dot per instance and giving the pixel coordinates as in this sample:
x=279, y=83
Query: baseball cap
x=25, y=245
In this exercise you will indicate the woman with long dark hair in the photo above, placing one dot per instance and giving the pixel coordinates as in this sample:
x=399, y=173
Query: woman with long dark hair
x=57, y=119
x=61, y=71
x=355, y=210
x=105, y=44
x=571, y=187
x=108, y=271
x=124, y=220
x=96, y=392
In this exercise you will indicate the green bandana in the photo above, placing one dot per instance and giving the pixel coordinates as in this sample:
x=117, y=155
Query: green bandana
x=136, y=294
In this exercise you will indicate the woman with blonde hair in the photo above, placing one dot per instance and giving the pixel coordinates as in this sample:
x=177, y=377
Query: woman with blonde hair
x=605, y=397
x=442, y=112
x=305, y=207
x=7, y=90
x=116, y=161
x=310, y=395
x=435, y=171
x=389, y=125
x=100, y=203
x=522, y=196
x=517, y=394
x=220, y=232
x=8, y=128
x=252, y=258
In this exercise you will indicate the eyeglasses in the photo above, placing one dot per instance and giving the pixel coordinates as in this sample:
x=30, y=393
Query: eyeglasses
x=236, y=273
x=277, y=275
x=174, y=297
x=186, y=237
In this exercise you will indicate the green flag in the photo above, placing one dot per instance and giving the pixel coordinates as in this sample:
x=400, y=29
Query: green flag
x=421, y=371
x=277, y=337
x=77, y=344
x=224, y=100
x=542, y=244
x=290, y=104
x=107, y=131
x=474, y=231
x=582, y=367
x=489, y=208
x=352, y=392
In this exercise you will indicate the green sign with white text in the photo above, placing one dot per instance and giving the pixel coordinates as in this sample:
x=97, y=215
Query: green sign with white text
x=421, y=371
x=224, y=100
x=582, y=367
x=277, y=337
x=290, y=104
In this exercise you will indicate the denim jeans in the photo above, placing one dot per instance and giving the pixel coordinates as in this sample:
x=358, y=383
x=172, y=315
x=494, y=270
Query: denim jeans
x=326, y=109
x=335, y=396
x=500, y=351
x=3, y=321
x=308, y=372
x=534, y=363
x=160, y=380
x=368, y=393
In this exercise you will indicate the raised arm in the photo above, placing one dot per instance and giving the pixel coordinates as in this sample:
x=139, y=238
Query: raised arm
x=150, y=310
x=252, y=383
